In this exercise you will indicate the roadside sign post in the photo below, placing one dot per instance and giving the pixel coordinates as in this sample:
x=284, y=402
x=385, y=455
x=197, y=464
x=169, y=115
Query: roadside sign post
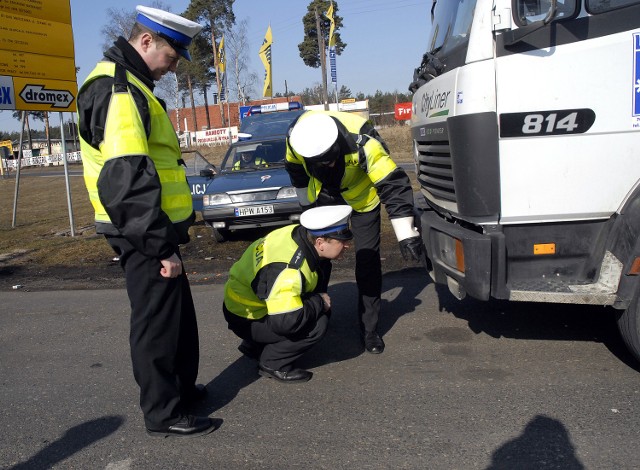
x=15, y=195
x=37, y=66
x=66, y=172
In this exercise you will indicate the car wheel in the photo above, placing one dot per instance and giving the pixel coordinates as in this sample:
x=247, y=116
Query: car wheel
x=629, y=325
x=220, y=235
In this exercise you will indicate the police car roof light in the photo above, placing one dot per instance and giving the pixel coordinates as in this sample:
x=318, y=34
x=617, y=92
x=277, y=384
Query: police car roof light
x=274, y=107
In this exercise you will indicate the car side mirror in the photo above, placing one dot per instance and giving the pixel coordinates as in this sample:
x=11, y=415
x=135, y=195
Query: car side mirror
x=209, y=171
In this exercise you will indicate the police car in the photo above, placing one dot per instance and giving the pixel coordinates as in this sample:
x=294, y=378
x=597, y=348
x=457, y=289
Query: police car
x=251, y=188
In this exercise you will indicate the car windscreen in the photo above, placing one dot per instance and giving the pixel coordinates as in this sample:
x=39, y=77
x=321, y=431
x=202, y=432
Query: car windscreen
x=251, y=156
x=263, y=125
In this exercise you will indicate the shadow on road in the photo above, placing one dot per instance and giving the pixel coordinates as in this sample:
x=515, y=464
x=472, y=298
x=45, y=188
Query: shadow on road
x=74, y=440
x=544, y=321
x=544, y=444
x=400, y=290
x=225, y=386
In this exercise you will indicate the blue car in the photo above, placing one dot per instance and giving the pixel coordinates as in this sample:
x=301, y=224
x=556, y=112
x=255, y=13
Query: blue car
x=199, y=173
x=251, y=188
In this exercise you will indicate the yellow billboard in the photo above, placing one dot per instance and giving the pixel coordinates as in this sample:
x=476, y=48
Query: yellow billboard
x=21, y=33
x=45, y=95
x=37, y=60
x=27, y=65
x=53, y=10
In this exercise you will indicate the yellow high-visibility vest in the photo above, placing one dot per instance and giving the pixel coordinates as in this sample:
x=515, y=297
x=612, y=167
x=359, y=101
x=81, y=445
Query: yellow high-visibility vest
x=286, y=293
x=124, y=135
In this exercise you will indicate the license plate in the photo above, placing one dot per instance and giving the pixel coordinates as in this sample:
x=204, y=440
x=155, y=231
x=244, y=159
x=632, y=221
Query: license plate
x=253, y=210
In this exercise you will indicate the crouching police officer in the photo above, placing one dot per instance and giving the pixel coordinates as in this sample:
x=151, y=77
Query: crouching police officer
x=276, y=297
x=339, y=158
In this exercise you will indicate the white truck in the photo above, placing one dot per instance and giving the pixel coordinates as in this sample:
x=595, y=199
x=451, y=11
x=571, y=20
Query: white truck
x=526, y=131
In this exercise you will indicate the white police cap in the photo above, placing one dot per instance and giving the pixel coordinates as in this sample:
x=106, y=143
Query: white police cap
x=328, y=221
x=313, y=134
x=176, y=30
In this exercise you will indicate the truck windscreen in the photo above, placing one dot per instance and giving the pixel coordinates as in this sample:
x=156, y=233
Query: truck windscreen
x=450, y=25
x=448, y=31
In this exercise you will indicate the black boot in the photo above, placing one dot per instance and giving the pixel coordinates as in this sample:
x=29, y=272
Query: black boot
x=373, y=343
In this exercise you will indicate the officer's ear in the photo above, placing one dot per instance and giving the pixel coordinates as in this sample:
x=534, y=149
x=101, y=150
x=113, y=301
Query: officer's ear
x=319, y=243
x=144, y=41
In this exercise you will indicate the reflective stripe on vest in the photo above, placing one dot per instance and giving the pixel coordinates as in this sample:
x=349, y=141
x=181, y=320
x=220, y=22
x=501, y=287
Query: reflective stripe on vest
x=286, y=293
x=125, y=135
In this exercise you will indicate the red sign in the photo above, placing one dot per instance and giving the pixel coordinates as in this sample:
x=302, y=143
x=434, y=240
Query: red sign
x=403, y=111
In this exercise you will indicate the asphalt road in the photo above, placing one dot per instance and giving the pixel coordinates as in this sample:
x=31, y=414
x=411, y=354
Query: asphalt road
x=462, y=385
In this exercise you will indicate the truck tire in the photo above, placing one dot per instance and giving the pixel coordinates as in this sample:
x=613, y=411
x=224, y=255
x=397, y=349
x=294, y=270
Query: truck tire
x=629, y=325
x=220, y=235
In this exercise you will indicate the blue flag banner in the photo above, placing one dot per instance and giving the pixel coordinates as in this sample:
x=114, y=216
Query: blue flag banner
x=636, y=74
x=222, y=87
x=332, y=61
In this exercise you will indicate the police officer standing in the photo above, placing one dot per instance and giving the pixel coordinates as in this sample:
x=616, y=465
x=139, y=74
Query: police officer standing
x=142, y=204
x=276, y=297
x=338, y=158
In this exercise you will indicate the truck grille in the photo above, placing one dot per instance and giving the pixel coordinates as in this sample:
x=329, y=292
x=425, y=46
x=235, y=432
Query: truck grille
x=435, y=173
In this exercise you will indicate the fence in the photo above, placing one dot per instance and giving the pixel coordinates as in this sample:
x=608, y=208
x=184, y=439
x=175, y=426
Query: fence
x=43, y=160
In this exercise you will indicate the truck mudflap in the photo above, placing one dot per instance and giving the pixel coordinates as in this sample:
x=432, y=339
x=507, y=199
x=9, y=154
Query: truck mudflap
x=460, y=258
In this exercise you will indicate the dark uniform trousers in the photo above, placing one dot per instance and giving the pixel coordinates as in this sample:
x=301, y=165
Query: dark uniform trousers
x=366, y=236
x=280, y=352
x=163, y=336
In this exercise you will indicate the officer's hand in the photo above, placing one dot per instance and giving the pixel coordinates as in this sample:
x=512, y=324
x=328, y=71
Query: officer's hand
x=327, y=301
x=171, y=267
x=412, y=249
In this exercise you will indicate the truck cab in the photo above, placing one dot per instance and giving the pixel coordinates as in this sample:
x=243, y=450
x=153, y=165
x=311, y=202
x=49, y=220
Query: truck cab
x=526, y=130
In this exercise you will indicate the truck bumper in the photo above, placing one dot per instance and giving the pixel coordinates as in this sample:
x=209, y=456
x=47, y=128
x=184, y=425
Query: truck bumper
x=461, y=258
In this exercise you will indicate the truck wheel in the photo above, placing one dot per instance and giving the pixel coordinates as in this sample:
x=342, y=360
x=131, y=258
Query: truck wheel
x=220, y=235
x=629, y=325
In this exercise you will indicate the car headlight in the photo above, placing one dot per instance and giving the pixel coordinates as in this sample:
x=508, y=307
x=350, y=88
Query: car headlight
x=286, y=192
x=215, y=199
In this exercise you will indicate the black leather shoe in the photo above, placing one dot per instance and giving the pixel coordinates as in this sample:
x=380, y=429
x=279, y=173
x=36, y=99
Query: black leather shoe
x=250, y=349
x=294, y=376
x=373, y=343
x=188, y=426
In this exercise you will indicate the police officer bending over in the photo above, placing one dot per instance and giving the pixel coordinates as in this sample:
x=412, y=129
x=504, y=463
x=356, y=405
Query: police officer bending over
x=339, y=158
x=276, y=297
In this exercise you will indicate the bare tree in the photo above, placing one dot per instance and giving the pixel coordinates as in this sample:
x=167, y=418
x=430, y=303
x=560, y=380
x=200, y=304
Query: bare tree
x=238, y=62
x=120, y=22
x=218, y=17
x=18, y=115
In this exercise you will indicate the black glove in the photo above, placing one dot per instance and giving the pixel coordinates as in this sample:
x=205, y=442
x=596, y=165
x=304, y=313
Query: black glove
x=412, y=249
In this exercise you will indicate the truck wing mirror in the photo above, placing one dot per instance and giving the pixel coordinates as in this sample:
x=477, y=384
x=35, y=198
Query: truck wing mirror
x=516, y=35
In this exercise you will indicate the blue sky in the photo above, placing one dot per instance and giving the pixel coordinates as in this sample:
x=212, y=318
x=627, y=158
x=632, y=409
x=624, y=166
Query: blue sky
x=385, y=41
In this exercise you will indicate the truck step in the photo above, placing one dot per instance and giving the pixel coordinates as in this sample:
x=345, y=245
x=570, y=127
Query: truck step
x=602, y=292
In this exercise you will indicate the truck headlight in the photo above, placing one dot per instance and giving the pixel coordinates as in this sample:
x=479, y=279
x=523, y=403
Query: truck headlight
x=451, y=251
x=215, y=199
